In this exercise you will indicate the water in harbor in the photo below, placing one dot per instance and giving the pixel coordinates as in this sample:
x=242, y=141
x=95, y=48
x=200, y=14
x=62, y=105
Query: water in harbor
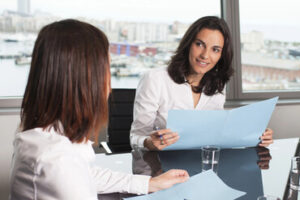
x=13, y=79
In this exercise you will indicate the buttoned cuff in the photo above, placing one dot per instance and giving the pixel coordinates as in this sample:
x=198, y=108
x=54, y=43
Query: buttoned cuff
x=137, y=141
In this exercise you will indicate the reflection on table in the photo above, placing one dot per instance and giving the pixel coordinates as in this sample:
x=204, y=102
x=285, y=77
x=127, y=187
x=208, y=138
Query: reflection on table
x=237, y=168
x=256, y=171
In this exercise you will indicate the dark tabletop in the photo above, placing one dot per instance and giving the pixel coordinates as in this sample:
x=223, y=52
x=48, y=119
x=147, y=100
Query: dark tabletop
x=256, y=171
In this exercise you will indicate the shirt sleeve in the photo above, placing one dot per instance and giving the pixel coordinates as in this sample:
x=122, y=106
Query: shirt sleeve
x=108, y=181
x=146, y=105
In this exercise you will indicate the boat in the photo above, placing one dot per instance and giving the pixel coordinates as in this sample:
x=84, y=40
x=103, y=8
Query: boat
x=23, y=60
x=294, y=52
x=10, y=40
x=125, y=72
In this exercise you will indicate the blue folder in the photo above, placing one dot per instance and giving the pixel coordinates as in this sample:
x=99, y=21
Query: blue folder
x=239, y=127
x=206, y=185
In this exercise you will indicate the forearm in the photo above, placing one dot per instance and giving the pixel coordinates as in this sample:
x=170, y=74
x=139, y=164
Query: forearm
x=108, y=181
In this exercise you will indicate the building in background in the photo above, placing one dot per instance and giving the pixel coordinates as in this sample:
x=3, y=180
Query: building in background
x=24, y=6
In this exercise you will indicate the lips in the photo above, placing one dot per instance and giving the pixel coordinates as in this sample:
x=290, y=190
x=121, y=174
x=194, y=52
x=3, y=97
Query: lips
x=201, y=63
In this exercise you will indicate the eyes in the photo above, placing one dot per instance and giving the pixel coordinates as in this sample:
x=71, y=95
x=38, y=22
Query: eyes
x=215, y=49
x=199, y=44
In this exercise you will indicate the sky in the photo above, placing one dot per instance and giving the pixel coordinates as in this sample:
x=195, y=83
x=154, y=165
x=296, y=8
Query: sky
x=252, y=11
x=275, y=12
x=278, y=19
x=134, y=10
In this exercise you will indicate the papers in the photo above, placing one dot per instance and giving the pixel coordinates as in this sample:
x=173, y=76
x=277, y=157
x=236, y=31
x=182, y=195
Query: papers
x=206, y=185
x=239, y=127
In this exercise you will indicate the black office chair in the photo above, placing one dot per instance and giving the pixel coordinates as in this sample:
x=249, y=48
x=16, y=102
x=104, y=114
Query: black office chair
x=120, y=119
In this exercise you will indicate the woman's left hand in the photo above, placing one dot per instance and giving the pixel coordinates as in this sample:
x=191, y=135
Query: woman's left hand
x=266, y=138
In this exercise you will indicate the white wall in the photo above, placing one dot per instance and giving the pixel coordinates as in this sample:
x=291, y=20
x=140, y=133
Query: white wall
x=8, y=126
x=285, y=122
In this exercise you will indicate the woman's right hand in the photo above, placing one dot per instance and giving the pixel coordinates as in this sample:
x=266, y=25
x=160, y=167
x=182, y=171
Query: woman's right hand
x=160, y=139
x=168, y=179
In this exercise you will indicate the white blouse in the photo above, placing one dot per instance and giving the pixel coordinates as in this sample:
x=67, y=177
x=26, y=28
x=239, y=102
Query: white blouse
x=46, y=165
x=156, y=94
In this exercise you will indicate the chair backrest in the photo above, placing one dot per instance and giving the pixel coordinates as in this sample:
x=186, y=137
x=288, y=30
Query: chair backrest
x=120, y=119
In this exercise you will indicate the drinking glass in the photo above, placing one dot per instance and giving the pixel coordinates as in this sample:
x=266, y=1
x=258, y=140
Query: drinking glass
x=210, y=158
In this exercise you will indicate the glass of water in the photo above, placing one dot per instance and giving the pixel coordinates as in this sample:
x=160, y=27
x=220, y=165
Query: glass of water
x=210, y=158
x=295, y=172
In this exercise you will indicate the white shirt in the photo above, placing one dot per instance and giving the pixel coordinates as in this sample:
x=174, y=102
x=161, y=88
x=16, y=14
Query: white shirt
x=156, y=94
x=46, y=165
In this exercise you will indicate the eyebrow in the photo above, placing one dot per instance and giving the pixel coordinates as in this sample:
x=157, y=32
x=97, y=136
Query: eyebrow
x=216, y=46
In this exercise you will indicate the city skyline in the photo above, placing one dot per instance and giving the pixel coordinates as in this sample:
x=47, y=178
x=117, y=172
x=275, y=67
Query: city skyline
x=130, y=10
x=273, y=17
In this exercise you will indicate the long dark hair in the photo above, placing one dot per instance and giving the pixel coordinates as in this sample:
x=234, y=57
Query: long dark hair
x=69, y=81
x=213, y=81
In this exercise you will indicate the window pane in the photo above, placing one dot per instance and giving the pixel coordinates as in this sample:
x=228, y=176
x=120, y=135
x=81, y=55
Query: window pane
x=270, y=45
x=143, y=33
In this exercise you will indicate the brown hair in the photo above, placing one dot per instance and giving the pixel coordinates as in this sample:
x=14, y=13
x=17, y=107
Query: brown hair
x=214, y=80
x=69, y=81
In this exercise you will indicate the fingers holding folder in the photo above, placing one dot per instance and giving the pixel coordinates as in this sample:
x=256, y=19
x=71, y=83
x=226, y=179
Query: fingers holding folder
x=160, y=139
x=266, y=138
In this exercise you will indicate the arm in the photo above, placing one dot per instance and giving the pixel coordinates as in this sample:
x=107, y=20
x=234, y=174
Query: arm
x=147, y=102
x=108, y=181
x=72, y=178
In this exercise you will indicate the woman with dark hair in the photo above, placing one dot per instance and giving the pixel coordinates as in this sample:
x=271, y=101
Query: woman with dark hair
x=65, y=105
x=195, y=79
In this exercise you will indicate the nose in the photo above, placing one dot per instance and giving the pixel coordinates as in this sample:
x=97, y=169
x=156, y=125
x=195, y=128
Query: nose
x=204, y=54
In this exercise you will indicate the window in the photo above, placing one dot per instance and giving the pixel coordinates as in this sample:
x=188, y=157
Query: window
x=267, y=41
x=143, y=33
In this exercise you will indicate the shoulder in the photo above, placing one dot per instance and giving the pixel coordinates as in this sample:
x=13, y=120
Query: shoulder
x=156, y=77
x=219, y=96
x=32, y=144
x=51, y=159
x=152, y=79
x=156, y=73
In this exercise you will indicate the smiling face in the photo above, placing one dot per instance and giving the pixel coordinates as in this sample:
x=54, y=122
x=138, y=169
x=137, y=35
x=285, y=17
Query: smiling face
x=205, y=51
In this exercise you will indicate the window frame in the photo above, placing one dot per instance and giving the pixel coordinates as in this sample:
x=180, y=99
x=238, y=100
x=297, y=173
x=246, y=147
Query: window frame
x=11, y=102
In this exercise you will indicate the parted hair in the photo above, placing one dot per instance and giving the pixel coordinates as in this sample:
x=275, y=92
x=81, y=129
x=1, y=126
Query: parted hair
x=214, y=80
x=69, y=81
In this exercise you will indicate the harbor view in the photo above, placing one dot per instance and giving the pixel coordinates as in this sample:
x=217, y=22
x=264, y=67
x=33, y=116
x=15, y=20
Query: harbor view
x=269, y=61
